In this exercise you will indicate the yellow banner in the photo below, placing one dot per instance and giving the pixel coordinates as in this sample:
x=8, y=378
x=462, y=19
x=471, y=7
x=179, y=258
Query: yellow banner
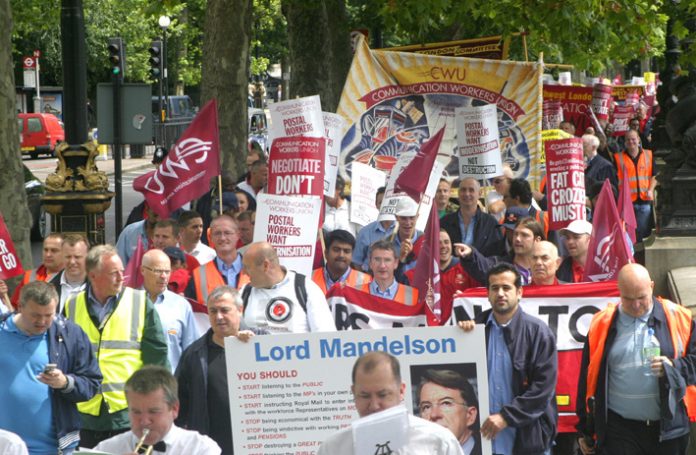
x=393, y=101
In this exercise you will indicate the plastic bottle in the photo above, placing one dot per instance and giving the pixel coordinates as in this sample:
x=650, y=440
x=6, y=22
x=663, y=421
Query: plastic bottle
x=651, y=349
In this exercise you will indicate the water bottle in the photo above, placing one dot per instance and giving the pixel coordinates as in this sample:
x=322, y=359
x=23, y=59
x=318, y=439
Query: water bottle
x=651, y=349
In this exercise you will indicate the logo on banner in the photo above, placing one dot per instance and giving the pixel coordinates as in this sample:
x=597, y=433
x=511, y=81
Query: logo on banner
x=182, y=150
x=279, y=309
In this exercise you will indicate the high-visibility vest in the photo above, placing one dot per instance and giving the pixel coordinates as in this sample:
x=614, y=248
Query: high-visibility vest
x=207, y=277
x=116, y=346
x=638, y=179
x=679, y=325
x=355, y=279
x=405, y=295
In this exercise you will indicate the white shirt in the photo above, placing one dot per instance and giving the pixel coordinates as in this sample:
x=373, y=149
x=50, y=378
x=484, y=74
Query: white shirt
x=178, y=440
x=203, y=253
x=424, y=438
x=338, y=218
x=67, y=290
x=11, y=444
x=281, y=301
x=178, y=323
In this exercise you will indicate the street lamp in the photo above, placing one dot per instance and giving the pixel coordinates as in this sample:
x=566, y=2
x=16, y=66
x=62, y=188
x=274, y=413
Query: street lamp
x=164, y=22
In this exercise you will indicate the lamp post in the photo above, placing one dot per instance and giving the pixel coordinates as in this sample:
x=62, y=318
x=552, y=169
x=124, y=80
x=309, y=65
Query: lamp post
x=164, y=22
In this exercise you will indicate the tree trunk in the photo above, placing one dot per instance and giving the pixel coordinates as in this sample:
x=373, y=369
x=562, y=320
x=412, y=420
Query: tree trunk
x=225, y=75
x=319, y=43
x=14, y=209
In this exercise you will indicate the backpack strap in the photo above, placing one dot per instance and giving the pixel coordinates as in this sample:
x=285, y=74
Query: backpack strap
x=301, y=291
x=245, y=297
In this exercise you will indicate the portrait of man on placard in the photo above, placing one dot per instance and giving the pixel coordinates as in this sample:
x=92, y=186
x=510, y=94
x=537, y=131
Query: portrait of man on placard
x=447, y=394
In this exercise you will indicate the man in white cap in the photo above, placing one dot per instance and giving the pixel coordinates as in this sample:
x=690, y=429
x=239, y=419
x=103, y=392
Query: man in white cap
x=406, y=234
x=576, y=238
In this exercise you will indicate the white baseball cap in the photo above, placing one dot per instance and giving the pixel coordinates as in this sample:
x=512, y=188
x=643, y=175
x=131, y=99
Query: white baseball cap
x=578, y=227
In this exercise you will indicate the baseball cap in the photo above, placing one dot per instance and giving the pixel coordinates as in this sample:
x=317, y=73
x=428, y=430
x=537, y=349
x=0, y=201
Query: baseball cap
x=578, y=227
x=512, y=215
x=175, y=254
x=229, y=201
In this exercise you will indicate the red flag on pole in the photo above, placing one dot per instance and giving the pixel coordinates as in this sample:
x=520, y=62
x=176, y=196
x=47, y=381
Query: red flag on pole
x=132, y=276
x=414, y=178
x=626, y=208
x=9, y=261
x=426, y=277
x=186, y=171
x=608, y=250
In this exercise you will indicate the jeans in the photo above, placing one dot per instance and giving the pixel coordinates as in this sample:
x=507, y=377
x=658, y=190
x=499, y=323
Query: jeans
x=643, y=211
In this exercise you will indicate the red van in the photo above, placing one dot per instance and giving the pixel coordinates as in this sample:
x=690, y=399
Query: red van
x=40, y=133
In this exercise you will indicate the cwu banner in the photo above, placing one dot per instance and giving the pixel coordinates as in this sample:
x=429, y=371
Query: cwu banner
x=567, y=309
x=394, y=101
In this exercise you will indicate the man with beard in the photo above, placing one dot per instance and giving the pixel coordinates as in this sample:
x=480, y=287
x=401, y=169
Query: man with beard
x=339, y=251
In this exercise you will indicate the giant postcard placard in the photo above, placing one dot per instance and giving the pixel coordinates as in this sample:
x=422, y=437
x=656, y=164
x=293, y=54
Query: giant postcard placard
x=290, y=224
x=394, y=101
x=288, y=393
x=568, y=310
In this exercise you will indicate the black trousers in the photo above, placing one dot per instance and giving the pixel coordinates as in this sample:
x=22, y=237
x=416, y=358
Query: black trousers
x=634, y=437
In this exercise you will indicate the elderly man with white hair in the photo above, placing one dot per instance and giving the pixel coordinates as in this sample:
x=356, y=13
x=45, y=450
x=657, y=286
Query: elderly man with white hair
x=597, y=168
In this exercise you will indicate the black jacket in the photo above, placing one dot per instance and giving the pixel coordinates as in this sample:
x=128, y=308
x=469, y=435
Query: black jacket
x=488, y=238
x=674, y=421
x=533, y=411
x=565, y=270
x=192, y=376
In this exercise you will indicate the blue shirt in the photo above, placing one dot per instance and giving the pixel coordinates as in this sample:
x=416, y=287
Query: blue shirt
x=366, y=237
x=26, y=402
x=341, y=279
x=128, y=240
x=397, y=243
x=499, y=383
x=631, y=394
x=388, y=293
x=230, y=272
x=96, y=309
x=178, y=324
x=467, y=231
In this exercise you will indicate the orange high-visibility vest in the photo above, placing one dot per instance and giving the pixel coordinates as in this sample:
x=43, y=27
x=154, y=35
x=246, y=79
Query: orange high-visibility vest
x=638, y=179
x=355, y=279
x=679, y=324
x=207, y=277
x=406, y=295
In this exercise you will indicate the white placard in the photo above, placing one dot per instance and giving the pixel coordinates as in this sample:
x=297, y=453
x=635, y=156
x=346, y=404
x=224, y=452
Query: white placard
x=288, y=393
x=290, y=224
x=565, y=78
x=297, y=117
x=392, y=198
x=335, y=126
x=364, y=183
x=478, y=142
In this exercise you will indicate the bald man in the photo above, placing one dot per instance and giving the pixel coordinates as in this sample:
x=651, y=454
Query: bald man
x=639, y=405
x=470, y=225
x=280, y=300
x=174, y=311
x=545, y=263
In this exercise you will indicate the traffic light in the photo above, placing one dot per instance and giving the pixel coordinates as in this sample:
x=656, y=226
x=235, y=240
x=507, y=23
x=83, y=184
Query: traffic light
x=156, y=59
x=117, y=57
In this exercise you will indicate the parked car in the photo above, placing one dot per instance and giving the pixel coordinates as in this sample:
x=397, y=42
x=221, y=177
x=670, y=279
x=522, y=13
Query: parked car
x=258, y=128
x=40, y=219
x=40, y=133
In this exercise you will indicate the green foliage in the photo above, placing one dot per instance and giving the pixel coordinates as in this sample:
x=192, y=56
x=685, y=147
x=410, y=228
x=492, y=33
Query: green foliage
x=269, y=36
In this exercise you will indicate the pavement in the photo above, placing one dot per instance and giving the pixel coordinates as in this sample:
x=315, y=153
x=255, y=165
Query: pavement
x=42, y=167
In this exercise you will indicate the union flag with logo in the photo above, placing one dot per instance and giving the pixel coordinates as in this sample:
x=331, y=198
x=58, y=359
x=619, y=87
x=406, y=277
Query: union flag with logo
x=185, y=173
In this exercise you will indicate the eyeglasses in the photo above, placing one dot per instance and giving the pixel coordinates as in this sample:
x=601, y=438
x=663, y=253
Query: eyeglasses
x=446, y=406
x=158, y=271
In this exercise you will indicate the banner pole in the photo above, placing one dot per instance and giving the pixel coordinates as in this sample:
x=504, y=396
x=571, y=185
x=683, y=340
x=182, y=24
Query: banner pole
x=322, y=243
x=219, y=185
x=524, y=44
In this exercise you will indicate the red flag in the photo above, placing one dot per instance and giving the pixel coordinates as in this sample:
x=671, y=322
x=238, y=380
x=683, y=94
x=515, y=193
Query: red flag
x=426, y=277
x=414, y=177
x=9, y=261
x=132, y=276
x=626, y=208
x=185, y=172
x=608, y=250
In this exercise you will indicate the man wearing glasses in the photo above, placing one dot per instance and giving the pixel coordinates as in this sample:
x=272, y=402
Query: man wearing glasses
x=226, y=268
x=448, y=399
x=174, y=311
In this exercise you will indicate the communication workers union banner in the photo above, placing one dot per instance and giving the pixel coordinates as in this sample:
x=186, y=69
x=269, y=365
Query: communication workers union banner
x=394, y=101
x=568, y=310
